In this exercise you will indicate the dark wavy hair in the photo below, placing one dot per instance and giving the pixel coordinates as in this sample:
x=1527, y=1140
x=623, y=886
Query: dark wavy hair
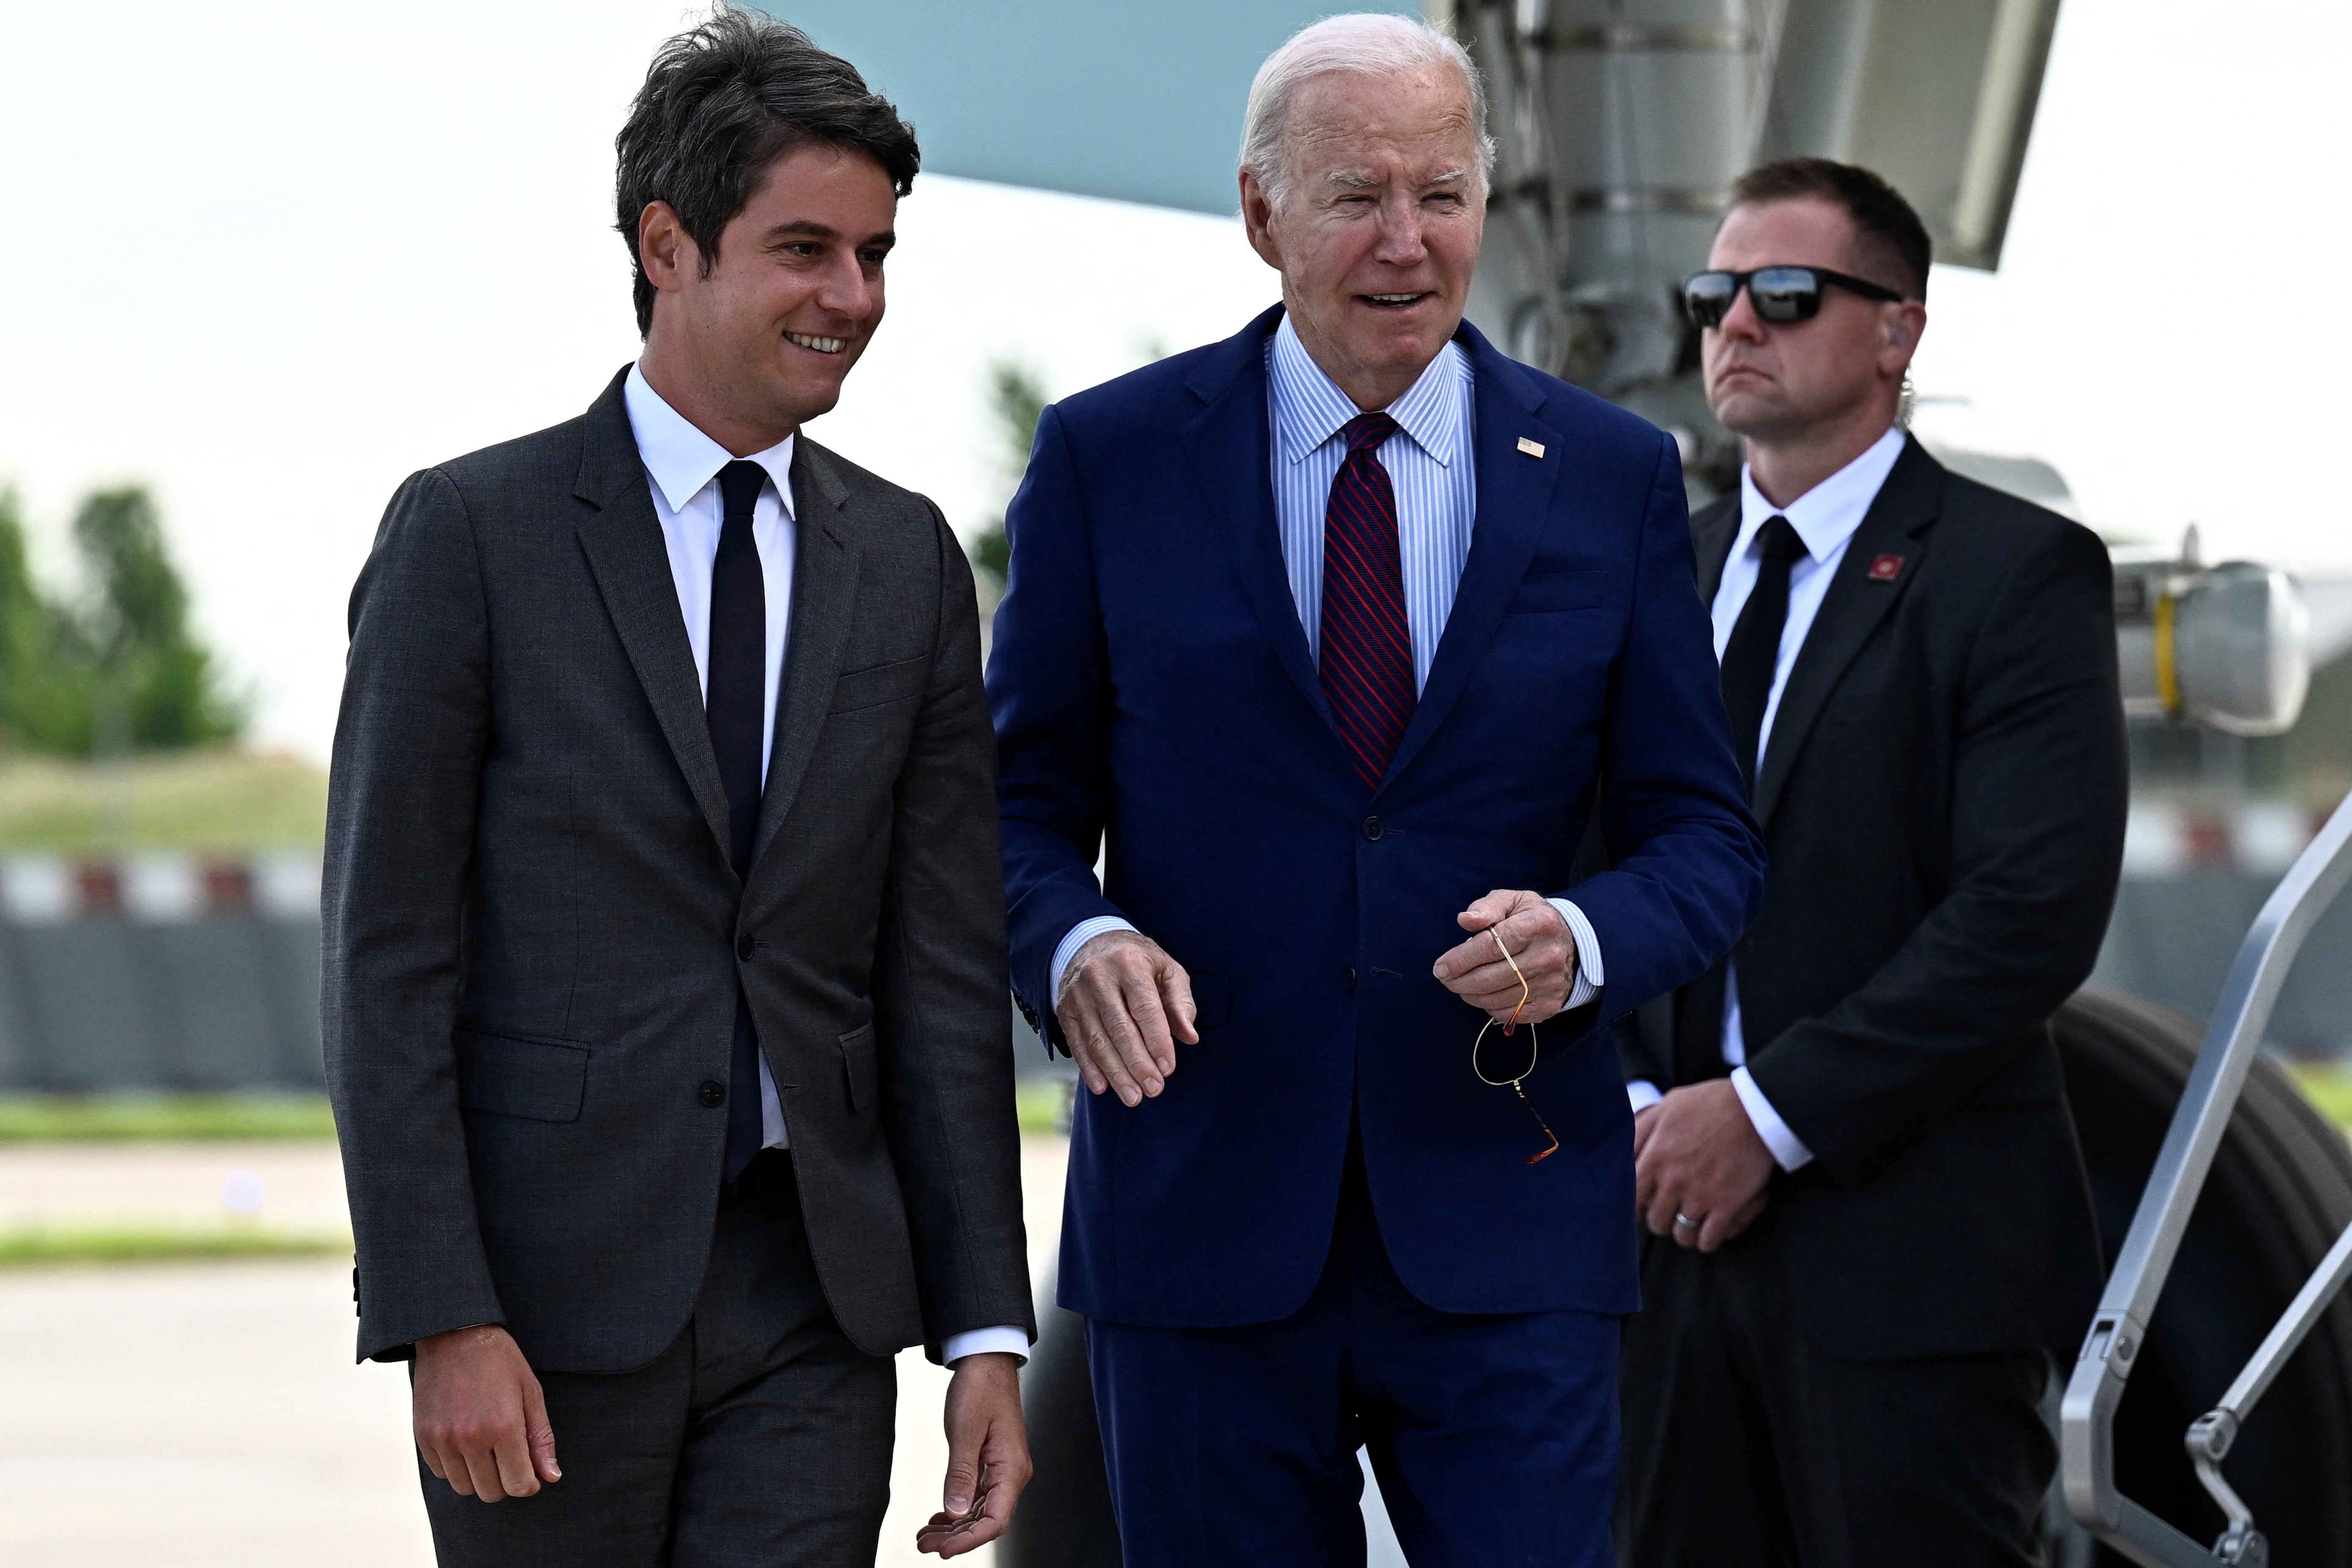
x=1885, y=225
x=720, y=104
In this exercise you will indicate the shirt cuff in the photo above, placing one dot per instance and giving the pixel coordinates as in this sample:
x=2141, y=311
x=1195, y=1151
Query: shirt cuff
x=981, y=1342
x=1080, y=934
x=1589, y=976
x=1644, y=1094
x=1789, y=1150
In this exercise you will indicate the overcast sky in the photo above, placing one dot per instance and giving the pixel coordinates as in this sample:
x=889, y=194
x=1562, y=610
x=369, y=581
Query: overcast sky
x=270, y=257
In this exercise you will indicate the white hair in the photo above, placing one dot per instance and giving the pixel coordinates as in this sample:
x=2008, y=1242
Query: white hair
x=1365, y=43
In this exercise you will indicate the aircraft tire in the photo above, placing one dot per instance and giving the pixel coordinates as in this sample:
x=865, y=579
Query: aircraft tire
x=2280, y=1193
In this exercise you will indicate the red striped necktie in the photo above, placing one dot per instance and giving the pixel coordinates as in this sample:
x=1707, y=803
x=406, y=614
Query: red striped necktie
x=1367, y=654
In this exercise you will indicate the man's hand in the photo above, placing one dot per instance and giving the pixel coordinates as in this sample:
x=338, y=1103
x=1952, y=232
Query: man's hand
x=1124, y=1004
x=1539, y=943
x=482, y=1423
x=1697, y=1156
x=988, y=1456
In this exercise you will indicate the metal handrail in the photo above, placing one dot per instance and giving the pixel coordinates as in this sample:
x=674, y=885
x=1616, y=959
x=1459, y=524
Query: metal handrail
x=2086, y=1416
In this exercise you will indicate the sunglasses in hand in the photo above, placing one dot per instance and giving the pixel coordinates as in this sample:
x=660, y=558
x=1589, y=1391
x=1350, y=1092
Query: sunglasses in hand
x=1780, y=294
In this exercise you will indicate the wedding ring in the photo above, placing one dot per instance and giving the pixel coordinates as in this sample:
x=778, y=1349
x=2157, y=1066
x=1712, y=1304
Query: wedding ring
x=1685, y=1222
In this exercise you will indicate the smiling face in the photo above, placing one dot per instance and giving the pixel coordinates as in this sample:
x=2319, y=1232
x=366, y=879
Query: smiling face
x=1377, y=232
x=762, y=344
x=1780, y=381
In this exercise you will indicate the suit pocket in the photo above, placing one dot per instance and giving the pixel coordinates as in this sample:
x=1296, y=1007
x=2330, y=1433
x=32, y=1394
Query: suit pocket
x=861, y=1073
x=543, y=1081
x=879, y=684
x=1545, y=591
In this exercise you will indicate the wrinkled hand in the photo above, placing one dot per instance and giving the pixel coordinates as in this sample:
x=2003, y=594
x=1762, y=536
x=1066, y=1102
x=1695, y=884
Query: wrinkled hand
x=1124, y=1004
x=1697, y=1154
x=1540, y=944
x=988, y=1456
x=482, y=1423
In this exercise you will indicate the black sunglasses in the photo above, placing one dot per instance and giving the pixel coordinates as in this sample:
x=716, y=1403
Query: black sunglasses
x=1780, y=294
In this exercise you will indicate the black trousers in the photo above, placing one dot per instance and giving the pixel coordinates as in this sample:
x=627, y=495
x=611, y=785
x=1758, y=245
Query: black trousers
x=1747, y=1445
x=761, y=1438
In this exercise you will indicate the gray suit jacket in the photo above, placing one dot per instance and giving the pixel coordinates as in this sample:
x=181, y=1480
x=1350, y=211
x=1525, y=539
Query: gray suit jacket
x=533, y=937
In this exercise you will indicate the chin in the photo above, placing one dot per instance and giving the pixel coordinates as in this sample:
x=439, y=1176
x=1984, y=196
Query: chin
x=1744, y=413
x=807, y=399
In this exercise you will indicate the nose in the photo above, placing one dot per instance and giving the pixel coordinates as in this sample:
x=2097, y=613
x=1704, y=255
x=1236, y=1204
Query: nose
x=1402, y=242
x=1741, y=321
x=847, y=290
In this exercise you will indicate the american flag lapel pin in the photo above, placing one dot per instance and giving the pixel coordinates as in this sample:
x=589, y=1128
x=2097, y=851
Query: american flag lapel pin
x=1532, y=449
x=1886, y=568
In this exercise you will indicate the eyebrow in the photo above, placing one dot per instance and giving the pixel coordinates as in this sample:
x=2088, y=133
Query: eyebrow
x=1355, y=180
x=809, y=230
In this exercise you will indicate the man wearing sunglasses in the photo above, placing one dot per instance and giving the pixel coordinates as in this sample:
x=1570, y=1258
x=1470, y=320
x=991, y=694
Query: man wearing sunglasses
x=1868, y=1214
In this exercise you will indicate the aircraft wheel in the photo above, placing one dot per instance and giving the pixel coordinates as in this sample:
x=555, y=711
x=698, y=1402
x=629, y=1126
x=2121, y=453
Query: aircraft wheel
x=2280, y=1193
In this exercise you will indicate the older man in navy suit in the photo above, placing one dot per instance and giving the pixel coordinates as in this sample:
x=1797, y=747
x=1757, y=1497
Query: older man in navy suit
x=1340, y=630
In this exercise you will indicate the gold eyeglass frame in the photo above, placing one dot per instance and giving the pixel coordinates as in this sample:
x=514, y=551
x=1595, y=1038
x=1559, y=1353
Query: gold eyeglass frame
x=1534, y=1055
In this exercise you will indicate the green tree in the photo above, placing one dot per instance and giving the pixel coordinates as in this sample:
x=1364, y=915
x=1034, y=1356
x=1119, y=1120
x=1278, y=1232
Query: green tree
x=159, y=686
x=44, y=692
x=1017, y=398
x=119, y=670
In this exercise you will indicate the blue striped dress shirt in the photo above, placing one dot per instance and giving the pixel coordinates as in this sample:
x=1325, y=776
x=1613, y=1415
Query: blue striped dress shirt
x=1431, y=466
x=1436, y=481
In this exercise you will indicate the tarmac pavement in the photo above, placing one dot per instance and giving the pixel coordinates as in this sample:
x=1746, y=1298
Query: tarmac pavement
x=202, y=1415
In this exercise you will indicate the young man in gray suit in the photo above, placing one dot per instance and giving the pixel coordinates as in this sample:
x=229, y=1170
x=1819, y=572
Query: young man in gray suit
x=664, y=994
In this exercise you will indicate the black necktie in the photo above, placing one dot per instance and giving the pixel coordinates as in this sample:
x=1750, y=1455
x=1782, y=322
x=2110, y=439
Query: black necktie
x=1749, y=659
x=1754, y=651
x=735, y=704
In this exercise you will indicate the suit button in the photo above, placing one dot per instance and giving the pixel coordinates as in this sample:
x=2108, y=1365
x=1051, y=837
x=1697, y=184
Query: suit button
x=1351, y=977
x=1372, y=828
x=743, y=946
x=712, y=1093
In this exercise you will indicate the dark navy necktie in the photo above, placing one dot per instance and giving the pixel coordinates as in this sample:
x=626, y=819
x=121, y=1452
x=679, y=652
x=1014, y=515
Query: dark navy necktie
x=1751, y=657
x=1367, y=652
x=734, y=701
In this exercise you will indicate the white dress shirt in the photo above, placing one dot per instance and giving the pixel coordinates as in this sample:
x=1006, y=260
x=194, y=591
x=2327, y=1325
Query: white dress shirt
x=1824, y=517
x=682, y=467
x=683, y=464
x=1430, y=468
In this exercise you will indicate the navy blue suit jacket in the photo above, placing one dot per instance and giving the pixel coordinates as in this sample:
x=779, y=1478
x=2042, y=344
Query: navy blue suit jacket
x=1150, y=682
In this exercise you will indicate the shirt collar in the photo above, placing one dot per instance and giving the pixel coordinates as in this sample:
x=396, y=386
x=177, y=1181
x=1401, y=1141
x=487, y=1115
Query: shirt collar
x=681, y=459
x=1826, y=516
x=1309, y=408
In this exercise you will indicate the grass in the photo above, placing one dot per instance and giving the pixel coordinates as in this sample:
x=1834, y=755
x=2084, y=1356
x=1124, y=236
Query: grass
x=1042, y=1105
x=130, y=1243
x=214, y=802
x=2329, y=1087
x=121, y=1117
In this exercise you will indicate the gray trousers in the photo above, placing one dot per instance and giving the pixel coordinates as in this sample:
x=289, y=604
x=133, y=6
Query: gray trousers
x=761, y=1438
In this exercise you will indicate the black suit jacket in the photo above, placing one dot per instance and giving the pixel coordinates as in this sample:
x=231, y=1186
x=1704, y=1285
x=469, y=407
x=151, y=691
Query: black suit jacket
x=534, y=938
x=1942, y=798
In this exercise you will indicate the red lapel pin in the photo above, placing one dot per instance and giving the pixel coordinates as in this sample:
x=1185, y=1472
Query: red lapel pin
x=1886, y=568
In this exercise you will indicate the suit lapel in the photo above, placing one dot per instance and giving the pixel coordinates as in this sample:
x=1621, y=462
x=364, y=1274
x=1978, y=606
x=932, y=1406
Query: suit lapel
x=1859, y=598
x=1230, y=444
x=825, y=595
x=1713, y=532
x=622, y=541
x=1515, y=492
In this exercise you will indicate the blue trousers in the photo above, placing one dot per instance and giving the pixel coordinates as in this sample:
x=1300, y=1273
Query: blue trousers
x=1493, y=1437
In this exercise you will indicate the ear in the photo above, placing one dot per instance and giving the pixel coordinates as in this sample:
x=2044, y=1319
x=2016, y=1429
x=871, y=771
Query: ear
x=665, y=249
x=1901, y=326
x=1257, y=219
